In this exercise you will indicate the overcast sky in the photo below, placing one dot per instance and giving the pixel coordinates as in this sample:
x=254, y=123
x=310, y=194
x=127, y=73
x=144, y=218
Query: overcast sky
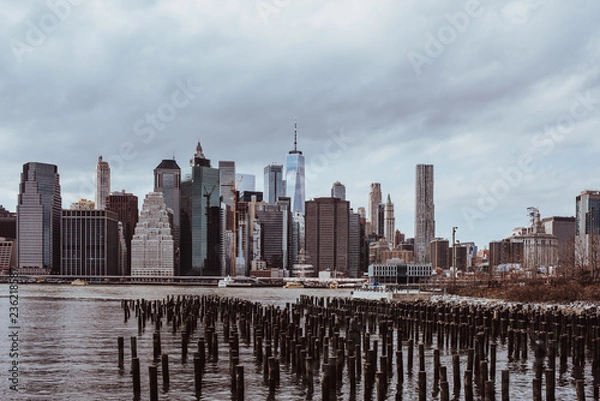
x=503, y=97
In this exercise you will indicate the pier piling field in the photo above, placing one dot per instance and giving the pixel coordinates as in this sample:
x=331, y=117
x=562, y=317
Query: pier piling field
x=340, y=348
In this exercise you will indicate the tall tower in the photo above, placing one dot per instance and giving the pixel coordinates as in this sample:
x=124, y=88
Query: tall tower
x=338, y=190
x=38, y=219
x=274, y=183
x=102, y=183
x=294, y=176
x=200, y=218
x=374, y=201
x=424, y=213
x=390, y=221
x=167, y=179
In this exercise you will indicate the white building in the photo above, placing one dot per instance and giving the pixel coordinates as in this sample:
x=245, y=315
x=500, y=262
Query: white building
x=102, y=183
x=152, y=246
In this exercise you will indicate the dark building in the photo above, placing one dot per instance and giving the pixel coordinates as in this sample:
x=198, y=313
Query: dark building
x=355, y=238
x=167, y=179
x=125, y=205
x=246, y=196
x=440, y=258
x=509, y=250
x=275, y=223
x=90, y=243
x=38, y=219
x=327, y=234
x=200, y=218
x=8, y=224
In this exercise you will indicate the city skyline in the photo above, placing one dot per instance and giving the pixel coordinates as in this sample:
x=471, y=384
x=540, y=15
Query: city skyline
x=503, y=98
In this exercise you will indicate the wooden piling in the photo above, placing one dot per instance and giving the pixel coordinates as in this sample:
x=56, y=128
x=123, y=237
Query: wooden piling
x=121, y=349
x=135, y=373
x=153, y=373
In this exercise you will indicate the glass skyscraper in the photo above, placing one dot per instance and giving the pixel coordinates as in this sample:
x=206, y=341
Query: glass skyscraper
x=38, y=219
x=274, y=183
x=295, y=176
x=200, y=218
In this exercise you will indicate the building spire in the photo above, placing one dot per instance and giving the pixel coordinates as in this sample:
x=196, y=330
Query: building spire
x=295, y=151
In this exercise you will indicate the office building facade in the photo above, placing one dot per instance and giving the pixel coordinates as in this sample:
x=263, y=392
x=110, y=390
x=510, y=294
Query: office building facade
x=125, y=205
x=167, y=180
x=90, y=243
x=389, y=221
x=327, y=235
x=38, y=219
x=338, y=190
x=374, y=202
x=274, y=183
x=200, y=218
x=102, y=183
x=424, y=213
x=587, y=229
x=152, y=246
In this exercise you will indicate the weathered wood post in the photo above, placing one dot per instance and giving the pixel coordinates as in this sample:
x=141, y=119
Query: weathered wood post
x=165, y=371
x=153, y=373
x=239, y=379
x=121, y=347
x=505, y=385
x=135, y=372
x=422, y=385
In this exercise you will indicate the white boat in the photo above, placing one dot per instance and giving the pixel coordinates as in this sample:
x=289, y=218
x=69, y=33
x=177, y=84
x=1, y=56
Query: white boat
x=79, y=282
x=383, y=293
x=231, y=282
x=225, y=282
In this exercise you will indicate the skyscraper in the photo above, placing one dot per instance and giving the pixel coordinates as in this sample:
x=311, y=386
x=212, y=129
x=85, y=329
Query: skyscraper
x=587, y=228
x=38, y=219
x=294, y=176
x=125, y=204
x=227, y=182
x=90, y=243
x=327, y=234
x=338, y=190
x=389, y=221
x=167, y=180
x=374, y=201
x=275, y=223
x=102, y=183
x=152, y=246
x=200, y=218
x=424, y=213
x=274, y=183
x=247, y=182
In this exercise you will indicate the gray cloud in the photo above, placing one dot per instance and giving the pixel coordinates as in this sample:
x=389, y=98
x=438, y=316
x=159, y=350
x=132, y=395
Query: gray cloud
x=335, y=65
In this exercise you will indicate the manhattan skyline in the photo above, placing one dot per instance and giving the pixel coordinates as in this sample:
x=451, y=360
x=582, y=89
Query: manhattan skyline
x=502, y=98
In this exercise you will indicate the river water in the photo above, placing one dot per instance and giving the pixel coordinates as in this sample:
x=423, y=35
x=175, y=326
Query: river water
x=64, y=344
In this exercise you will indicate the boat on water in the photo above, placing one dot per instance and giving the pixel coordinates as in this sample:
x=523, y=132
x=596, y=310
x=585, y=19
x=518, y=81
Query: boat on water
x=232, y=282
x=389, y=294
x=79, y=282
x=293, y=284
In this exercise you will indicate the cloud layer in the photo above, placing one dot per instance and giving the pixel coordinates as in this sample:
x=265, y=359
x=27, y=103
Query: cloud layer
x=502, y=97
